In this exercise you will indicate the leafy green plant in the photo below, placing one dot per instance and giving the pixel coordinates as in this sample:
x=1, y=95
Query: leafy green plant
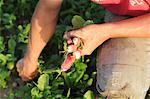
x=77, y=83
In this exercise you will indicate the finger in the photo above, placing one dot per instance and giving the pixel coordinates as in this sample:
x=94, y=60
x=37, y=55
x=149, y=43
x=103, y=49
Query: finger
x=76, y=41
x=75, y=33
x=19, y=65
x=28, y=77
x=24, y=77
x=34, y=74
x=66, y=36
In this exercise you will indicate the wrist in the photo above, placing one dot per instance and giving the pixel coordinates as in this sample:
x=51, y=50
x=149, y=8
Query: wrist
x=30, y=59
x=107, y=29
x=112, y=30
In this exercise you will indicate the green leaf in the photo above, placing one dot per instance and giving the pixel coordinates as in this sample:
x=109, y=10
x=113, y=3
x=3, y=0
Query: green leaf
x=2, y=46
x=2, y=83
x=85, y=77
x=10, y=65
x=93, y=74
x=23, y=33
x=1, y=39
x=35, y=91
x=19, y=93
x=90, y=81
x=20, y=28
x=88, y=95
x=1, y=3
x=80, y=75
x=68, y=28
x=80, y=66
x=77, y=21
x=88, y=14
x=68, y=93
x=43, y=81
x=65, y=46
x=4, y=74
x=50, y=71
x=11, y=45
x=67, y=79
x=3, y=59
x=27, y=29
x=11, y=96
x=88, y=22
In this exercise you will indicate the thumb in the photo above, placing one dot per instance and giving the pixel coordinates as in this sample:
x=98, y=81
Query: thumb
x=86, y=50
x=73, y=33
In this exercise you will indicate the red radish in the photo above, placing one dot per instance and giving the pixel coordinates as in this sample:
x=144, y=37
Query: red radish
x=74, y=53
x=76, y=41
x=71, y=48
x=69, y=41
x=67, y=63
x=77, y=54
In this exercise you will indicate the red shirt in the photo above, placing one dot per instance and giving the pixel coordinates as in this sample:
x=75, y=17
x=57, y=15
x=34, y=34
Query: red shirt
x=126, y=7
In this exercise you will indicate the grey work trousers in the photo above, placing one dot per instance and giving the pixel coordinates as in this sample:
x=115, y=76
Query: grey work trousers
x=123, y=66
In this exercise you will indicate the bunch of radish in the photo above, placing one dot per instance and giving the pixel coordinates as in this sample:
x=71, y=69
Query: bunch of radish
x=73, y=52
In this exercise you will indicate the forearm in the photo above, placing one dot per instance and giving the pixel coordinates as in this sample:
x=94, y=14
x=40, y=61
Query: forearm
x=138, y=27
x=43, y=25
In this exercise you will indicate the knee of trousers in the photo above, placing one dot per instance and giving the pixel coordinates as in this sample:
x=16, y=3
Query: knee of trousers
x=121, y=83
x=122, y=69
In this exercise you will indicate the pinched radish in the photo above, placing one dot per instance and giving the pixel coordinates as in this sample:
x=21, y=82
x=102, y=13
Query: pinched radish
x=69, y=41
x=71, y=48
x=77, y=54
x=74, y=53
x=67, y=63
x=75, y=41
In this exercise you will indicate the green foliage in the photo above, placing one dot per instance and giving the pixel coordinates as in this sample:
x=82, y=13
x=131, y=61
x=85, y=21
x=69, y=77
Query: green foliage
x=4, y=75
x=15, y=28
x=23, y=33
x=2, y=46
x=77, y=21
x=11, y=45
x=88, y=95
x=3, y=60
x=43, y=81
x=36, y=93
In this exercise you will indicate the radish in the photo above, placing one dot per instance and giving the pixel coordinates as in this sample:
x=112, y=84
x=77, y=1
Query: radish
x=69, y=41
x=71, y=48
x=77, y=54
x=70, y=59
x=75, y=41
x=74, y=53
x=67, y=63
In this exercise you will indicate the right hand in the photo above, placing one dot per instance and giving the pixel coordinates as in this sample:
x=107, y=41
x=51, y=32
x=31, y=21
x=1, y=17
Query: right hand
x=27, y=70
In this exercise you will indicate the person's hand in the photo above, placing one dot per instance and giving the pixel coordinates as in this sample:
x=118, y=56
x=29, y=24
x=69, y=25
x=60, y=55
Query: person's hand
x=92, y=36
x=27, y=70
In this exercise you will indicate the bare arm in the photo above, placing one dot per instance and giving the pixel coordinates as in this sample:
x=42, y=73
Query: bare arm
x=134, y=27
x=94, y=35
x=42, y=26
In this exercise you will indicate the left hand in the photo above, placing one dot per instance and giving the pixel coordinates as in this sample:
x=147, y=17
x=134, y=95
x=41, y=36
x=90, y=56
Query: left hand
x=92, y=36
